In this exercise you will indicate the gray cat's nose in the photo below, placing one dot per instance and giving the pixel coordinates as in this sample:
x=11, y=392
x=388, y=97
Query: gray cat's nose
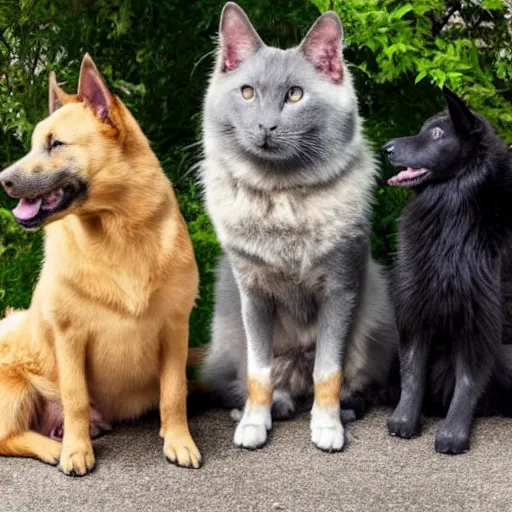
x=264, y=135
x=267, y=129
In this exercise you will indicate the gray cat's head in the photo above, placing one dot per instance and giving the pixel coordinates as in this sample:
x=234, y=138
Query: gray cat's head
x=281, y=117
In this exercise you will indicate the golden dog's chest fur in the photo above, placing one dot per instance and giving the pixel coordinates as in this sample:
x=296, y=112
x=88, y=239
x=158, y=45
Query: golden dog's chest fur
x=121, y=300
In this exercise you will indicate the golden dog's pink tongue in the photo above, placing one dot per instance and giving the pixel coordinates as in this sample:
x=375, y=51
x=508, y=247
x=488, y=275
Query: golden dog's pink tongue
x=27, y=209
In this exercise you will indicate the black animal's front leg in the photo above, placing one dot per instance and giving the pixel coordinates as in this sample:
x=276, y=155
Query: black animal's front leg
x=475, y=355
x=470, y=382
x=414, y=352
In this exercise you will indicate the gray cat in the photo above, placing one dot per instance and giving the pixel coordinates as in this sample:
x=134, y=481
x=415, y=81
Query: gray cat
x=288, y=180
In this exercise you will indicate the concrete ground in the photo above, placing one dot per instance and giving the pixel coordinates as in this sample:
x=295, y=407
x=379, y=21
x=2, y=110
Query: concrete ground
x=374, y=473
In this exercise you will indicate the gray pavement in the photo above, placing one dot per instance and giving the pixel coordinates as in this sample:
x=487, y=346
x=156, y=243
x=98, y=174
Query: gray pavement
x=374, y=473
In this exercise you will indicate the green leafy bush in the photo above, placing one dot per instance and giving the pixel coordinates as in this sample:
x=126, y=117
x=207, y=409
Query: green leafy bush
x=156, y=55
x=402, y=53
x=20, y=260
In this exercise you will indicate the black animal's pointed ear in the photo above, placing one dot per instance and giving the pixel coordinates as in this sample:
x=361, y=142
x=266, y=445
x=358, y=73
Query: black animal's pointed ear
x=464, y=121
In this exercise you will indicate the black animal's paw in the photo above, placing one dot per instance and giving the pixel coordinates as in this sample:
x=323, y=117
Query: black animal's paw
x=451, y=443
x=356, y=403
x=402, y=426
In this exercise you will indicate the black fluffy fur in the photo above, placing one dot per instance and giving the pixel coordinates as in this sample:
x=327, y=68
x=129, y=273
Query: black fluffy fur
x=453, y=276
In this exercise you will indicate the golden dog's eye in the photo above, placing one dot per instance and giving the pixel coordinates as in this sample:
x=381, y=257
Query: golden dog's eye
x=54, y=143
x=295, y=94
x=247, y=92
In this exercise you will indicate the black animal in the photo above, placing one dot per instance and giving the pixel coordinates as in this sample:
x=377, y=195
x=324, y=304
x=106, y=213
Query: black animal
x=453, y=275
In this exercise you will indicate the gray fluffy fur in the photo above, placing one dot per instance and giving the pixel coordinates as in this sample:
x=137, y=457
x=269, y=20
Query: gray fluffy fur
x=294, y=223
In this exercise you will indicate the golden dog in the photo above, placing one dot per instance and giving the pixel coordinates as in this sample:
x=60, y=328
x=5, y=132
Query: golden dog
x=106, y=335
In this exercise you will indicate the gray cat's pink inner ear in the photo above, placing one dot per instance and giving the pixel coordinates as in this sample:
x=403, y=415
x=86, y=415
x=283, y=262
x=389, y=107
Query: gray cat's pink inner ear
x=322, y=47
x=238, y=39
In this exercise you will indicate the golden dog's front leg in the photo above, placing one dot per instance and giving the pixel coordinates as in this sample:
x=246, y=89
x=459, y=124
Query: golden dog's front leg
x=77, y=457
x=179, y=447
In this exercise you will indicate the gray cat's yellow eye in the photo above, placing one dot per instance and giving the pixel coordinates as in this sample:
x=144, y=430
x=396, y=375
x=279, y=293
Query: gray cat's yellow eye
x=247, y=92
x=295, y=94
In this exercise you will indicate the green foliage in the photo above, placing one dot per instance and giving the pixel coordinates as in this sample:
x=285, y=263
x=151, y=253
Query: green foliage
x=402, y=53
x=464, y=45
x=156, y=55
x=207, y=250
x=20, y=259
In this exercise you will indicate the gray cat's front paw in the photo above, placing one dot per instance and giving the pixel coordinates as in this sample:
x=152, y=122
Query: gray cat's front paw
x=327, y=431
x=251, y=432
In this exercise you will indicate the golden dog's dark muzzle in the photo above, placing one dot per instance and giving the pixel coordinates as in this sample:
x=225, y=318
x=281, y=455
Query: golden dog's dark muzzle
x=41, y=195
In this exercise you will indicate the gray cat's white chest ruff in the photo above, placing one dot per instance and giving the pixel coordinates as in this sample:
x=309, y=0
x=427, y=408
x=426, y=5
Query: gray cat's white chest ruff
x=288, y=230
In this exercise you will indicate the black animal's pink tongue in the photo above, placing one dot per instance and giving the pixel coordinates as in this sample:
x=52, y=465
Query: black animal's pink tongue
x=27, y=208
x=406, y=175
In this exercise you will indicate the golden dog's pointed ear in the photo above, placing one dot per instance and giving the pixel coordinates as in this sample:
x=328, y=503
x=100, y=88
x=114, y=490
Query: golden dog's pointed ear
x=56, y=96
x=92, y=90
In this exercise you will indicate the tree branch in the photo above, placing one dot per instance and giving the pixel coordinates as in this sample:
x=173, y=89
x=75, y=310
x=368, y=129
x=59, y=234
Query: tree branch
x=3, y=40
x=36, y=59
x=476, y=24
x=438, y=23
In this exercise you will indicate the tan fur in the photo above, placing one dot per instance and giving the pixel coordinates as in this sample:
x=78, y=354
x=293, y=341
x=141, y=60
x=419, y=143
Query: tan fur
x=259, y=393
x=109, y=316
x=327, y=392
x=9, y=311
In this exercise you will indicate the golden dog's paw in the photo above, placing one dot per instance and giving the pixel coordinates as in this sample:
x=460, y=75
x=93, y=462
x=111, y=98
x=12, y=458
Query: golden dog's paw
x=50, y=451
x=77, y=460
x=182, y=451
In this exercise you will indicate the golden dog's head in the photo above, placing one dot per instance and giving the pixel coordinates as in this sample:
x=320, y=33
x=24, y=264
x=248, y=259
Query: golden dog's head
x=74, y=150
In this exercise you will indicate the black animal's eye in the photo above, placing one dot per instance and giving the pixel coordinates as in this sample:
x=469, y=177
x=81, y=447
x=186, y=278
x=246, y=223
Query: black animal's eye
x=437, y=133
